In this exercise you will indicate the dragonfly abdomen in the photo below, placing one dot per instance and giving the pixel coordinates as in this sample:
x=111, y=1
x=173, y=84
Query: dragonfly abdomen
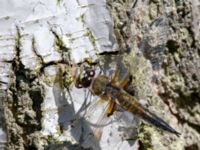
x=128, y=103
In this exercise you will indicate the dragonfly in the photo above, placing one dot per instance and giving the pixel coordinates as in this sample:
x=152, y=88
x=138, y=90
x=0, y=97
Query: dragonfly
x=113, y=91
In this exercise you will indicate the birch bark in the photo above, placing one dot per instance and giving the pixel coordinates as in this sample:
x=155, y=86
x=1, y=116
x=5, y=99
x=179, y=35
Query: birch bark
x=157, y=41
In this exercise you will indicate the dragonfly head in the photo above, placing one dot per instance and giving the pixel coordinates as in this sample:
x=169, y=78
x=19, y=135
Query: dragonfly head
x=85, y=78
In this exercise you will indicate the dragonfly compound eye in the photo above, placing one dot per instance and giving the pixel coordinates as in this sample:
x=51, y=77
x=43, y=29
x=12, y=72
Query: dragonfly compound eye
x=85, y=79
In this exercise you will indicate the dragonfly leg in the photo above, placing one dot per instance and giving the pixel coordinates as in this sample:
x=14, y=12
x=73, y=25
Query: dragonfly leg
x=115, y=77
x=125, y=81
x=111, y=107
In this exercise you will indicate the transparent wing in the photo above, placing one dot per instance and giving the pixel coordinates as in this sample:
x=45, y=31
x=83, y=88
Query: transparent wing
x=93, y=106
x=154, y=41
x=98, y=116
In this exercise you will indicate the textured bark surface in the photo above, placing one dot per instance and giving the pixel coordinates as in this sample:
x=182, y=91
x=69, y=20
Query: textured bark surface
x=157, y=41
x=149, y=26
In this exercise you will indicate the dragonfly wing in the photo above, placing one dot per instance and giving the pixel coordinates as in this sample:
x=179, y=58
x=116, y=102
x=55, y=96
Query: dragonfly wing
x=103, y=119
x=92, y=107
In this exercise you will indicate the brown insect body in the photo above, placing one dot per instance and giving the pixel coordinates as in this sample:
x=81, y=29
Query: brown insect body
x=113, y=91
x=102, y=86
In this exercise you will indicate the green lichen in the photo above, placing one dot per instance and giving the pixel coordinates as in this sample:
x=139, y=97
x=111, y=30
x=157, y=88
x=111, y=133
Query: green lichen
x=7, y=18
x=71, y=40
x=60, y=46
x=91, y=38
x=141, y=71
x=49, y=80
x=69, y=36
x=89, y=33
x=144, y=137
x=59, y=2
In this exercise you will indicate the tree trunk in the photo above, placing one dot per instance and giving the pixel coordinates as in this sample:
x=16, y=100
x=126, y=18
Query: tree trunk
x=42, y=43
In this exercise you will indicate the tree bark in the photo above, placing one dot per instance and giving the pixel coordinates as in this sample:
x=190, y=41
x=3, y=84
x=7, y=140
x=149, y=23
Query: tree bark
x=42, y=43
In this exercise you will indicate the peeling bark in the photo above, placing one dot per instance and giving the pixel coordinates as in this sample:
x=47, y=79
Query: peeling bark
x=156, y=41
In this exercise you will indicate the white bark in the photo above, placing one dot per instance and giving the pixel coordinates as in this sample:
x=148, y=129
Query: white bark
x=40, y=39
x=29, y=32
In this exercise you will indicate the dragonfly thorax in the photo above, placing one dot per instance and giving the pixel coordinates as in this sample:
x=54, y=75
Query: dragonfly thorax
x=98, y=86
x=113, y=91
